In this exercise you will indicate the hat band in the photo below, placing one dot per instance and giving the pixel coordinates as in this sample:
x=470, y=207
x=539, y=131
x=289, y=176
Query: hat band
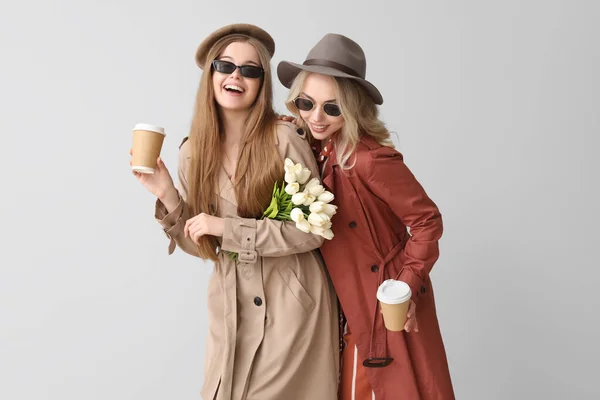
x=333, y=64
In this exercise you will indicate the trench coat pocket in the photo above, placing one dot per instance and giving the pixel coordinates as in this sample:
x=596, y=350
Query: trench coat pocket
x=296, y=288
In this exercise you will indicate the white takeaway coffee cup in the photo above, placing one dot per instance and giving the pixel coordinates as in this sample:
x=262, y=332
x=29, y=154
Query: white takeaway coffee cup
x=394, y=299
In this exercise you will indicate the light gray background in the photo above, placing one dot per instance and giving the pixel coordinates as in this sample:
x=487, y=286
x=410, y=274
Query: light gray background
x=495, y=105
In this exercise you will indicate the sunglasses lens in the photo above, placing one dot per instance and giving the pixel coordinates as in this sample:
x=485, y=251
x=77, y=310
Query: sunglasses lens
x=303, y=104
x=332, y=110
x=250, y=71
x=224, y=67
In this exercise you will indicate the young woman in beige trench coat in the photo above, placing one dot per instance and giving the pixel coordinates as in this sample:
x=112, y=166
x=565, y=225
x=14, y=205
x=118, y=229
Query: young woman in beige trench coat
x=272, y=314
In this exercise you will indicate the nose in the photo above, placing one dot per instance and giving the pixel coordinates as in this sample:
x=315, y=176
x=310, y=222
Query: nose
x=236, y=73
x=318, y=114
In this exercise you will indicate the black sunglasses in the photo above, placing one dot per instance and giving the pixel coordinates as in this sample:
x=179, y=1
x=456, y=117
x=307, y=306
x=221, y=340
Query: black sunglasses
x=247, y=71
x=330, y=109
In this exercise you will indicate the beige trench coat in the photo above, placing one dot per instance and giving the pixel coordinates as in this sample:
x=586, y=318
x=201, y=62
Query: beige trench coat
x=273, y=331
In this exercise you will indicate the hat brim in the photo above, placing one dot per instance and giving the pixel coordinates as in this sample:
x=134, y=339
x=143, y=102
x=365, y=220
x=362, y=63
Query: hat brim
x=287, y=72
x=240, y=29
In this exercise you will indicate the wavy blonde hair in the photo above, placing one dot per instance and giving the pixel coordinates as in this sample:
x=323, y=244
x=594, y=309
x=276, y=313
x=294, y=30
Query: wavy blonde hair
x=259, y=165
x=360, y=113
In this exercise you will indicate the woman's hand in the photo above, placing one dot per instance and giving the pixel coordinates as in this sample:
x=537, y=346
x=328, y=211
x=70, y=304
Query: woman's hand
x=411, y=318
x=286, y=118
x=203, y=224
x=159, y=183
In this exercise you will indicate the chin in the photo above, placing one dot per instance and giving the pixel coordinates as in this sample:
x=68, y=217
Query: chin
x=321, y=135
x=233, y=105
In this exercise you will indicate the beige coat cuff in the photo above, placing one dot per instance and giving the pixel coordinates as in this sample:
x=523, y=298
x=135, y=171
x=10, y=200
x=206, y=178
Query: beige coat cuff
x=252, y=238
x=171, y=222
x=239, y=236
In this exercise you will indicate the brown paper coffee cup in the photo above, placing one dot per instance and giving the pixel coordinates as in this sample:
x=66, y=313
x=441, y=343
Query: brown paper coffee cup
x=394, y=299
x=147, y=143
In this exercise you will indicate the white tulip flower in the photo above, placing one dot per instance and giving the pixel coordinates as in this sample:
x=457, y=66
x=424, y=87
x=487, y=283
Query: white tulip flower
x=317, y=207
x=288, y=164
x=309, y=199
x=326, y=197
x=303, y=225
x=328, y=234
x=290, y=177
x=297, y=169
x=312, y=182
x=299, y=198
x=318, y=219
x=292, y=188
x=297, y=215
x=290, y=167
x=303, y=175
x=329, y=209
x=316, y=190
x=317, y=230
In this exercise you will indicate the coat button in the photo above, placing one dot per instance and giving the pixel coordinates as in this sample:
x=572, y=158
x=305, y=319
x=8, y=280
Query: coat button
x=374, y=268
x=258, y=301
x=352, y=224
x=423, y=289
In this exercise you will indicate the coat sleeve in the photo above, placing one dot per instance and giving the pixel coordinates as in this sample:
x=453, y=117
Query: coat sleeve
x=391, y=180
x=253, y=238
x=173, y=222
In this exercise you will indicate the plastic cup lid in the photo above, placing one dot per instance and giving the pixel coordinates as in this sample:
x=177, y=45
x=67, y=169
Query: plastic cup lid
x=392, y=291
x=149, y=127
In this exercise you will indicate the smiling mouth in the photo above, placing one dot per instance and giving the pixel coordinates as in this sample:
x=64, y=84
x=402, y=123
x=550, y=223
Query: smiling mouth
x=319, y=128
x=234, y=89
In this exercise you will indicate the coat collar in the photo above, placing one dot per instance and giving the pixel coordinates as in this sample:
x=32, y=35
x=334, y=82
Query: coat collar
x=369, y=142
x=366, y=142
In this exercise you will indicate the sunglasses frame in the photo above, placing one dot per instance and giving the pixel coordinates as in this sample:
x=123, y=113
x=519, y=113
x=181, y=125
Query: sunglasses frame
x=242, y=68
x=314, y=105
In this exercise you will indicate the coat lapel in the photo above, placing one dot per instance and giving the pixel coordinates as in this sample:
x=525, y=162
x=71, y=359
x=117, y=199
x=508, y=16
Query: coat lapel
x=328, y=174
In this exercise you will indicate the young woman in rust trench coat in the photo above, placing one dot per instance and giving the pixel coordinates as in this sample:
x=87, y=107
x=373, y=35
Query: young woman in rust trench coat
x=378, y=198
x=273, y=330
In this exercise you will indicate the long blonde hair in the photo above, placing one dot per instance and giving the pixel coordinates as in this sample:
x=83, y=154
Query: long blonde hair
x=360, y=113
x=259, y=164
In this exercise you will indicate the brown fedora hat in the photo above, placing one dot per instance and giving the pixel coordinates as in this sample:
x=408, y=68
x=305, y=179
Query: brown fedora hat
x=334, y=55
x=240, y=29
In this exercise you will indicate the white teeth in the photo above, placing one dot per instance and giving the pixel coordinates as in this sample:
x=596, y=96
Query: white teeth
x=233, y=87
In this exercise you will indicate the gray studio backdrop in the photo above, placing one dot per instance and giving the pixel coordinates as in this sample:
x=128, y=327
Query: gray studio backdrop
x=494, y=104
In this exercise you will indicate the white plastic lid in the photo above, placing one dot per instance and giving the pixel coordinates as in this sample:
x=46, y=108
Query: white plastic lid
x=148, y=127
x=392, y=291
x=142, y=169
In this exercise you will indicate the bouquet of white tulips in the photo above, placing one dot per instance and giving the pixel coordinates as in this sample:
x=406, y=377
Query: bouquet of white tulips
x=309, y=202
x=306, y=202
